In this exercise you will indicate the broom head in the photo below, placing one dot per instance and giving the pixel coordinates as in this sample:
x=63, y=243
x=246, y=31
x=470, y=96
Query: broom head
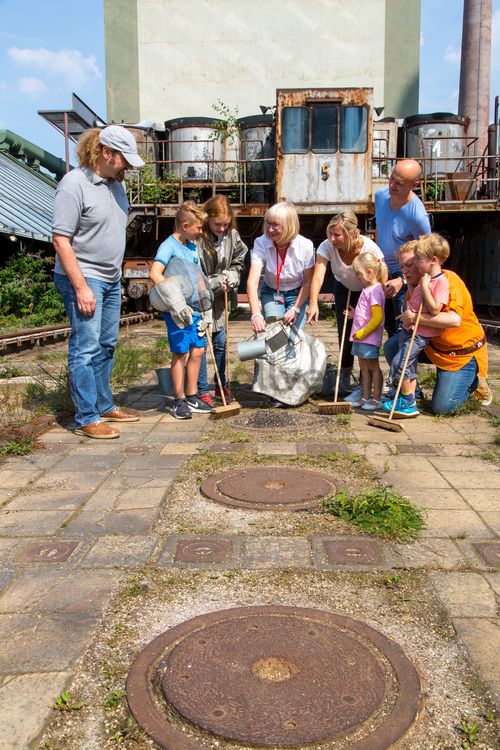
x=333, y=407
x=385, y=424
x=221, y=412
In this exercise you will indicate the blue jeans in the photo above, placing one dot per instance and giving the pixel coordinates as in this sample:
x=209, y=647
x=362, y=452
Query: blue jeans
x=393, y=308
x=452, y=389
x=219, y=344
x=267, y=296
x=91, y=348
x=419, y=344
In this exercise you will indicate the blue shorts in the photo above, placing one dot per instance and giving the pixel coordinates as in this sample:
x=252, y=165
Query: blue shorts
x=365, y=351
x=181, y=340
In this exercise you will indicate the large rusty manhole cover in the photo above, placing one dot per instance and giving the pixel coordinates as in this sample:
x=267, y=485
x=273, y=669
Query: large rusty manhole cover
x=268, y=488
x=274, y=676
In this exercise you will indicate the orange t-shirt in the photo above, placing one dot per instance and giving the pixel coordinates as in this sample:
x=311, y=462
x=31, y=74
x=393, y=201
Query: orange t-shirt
x=467, y=334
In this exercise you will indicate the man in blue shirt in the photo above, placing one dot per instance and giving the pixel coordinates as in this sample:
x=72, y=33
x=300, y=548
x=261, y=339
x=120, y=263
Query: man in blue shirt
x=400, y=216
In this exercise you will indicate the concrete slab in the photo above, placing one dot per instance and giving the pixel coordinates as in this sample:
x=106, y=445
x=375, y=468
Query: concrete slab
x=438, y=499
x=152, y=463
x=482, y=500
x=126, y=479
x=82, y=462
x=13, y=479
x=494, y=581
x=482, y=640
x=472, y=480
x=24, y=703
x=71, y=480
x=465, y=594
x=31, y=522
x=53, y=590
x=463, y=464
x=455, y=523
x=48, y=500
x=433, y=554
x=129, y=521
x=405, y=481
x=148, y=497
x=492, y=519
x=276, y=552
x=29, y=643
x=120, y=551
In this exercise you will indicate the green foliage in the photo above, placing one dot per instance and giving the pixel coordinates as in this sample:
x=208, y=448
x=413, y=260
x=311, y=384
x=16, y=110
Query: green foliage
x=469, y=732
x=27, y=296
x=327, y=311
x=54, y=397
x=131, y=362
x=147, y=188
x=21, y=447
x=380, y=511
x=435, y=191
x=67, y=702
x=10, y=371
x=114, y=698
x=229, y=128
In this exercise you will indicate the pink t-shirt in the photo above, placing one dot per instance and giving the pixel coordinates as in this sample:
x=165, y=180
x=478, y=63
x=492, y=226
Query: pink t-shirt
x=370, y=295
x=440, y=289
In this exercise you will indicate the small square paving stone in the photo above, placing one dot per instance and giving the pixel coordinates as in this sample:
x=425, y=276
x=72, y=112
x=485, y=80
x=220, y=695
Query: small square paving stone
x=50, y=551
x=54, y=642
x=277, y=552
x=489, y=551
x=276, y=449
x=25, y=702
x=465, y=594
x=179, y=449
x=120, y=551
x=441, y=554
x=213, y=552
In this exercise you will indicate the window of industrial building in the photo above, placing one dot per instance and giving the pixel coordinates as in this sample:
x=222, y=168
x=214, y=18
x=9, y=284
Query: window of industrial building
x=324, y=129
x=353, y=130
x=295, y=130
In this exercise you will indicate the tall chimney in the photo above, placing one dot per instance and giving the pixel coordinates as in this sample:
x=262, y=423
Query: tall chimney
x=474, y=96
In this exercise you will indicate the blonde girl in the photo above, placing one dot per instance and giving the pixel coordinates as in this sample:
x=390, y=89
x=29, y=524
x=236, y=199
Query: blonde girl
x=222, y=255
x=368, y=326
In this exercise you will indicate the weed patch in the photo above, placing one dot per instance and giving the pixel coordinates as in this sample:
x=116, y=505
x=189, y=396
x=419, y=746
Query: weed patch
x=380, y=512
x=21, y=447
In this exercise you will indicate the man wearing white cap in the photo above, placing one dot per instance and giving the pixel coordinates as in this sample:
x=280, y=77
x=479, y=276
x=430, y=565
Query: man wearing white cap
x=88, y=233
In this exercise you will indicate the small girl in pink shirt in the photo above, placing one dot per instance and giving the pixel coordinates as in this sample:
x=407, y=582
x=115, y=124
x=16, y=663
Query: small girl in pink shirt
x=368, y=326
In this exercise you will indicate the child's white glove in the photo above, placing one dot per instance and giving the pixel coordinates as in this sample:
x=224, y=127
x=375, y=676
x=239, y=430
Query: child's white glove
x=205, y=323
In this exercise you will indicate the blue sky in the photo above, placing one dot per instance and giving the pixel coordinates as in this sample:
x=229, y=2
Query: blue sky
x=49, y=49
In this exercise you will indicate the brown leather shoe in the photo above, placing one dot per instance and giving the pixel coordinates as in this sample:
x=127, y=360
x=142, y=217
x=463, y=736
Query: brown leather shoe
x=120, y=415
x=98, y=431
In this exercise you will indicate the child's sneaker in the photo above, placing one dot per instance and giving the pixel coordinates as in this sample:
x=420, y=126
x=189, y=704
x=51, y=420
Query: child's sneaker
x=405, y=408
x=483, y=392
x=370, y=404
x=207, y=399
x=355, y=398
x=180, y=409
x=197, y=406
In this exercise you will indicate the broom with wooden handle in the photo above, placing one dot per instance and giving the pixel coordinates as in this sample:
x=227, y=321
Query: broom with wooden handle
x=337, y=407
x=227, y=410
x=388, y=423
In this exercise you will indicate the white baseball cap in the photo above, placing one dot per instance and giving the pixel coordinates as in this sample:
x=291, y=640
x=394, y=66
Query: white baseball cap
x=120, y=139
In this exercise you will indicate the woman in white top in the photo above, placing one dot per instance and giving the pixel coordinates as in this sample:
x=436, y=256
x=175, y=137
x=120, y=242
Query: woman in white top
x=344, y=243
x=286, y=260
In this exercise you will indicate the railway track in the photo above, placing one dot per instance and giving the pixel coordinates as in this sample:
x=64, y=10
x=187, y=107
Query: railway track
x=28, y=338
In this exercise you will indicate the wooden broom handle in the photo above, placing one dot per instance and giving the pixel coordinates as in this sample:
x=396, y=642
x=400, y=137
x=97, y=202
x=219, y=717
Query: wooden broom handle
x=211, y=349
x=405, y=363
x=342, y=339
x=226, y=313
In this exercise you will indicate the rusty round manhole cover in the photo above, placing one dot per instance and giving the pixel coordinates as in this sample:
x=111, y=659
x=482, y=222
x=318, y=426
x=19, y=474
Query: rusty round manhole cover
x=274, y=676
x=268, y=488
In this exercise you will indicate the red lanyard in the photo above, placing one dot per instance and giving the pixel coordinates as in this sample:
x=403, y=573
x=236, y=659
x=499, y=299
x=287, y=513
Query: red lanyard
x=280, y=268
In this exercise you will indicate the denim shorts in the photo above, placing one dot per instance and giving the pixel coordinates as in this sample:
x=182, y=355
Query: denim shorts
x=181, y=340
x=365, y=351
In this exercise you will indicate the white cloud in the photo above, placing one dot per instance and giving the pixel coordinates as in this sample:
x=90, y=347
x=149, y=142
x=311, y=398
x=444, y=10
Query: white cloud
x=31, y=85
x=452, y=55
x=70, y=65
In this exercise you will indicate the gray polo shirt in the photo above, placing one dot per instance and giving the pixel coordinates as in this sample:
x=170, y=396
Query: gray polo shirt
x=92, y=212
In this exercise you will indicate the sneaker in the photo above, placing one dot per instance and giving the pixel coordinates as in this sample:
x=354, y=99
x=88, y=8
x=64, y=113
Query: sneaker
x=405, y=409
x=197, y=406
x=483, y=392
x=227, y=394
x=207, y=399
x=370, y=404
x=180, y=409
x=355, y=398
x=389, y=395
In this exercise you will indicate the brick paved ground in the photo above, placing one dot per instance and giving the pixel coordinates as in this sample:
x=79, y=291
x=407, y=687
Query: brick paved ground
x=78, y=516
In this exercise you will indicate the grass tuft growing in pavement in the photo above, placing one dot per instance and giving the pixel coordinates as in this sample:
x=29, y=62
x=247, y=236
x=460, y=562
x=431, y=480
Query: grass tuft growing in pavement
x=378, y=511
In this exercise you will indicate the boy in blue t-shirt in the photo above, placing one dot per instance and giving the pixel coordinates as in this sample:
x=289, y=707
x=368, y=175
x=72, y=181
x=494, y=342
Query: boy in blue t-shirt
x=187, y=344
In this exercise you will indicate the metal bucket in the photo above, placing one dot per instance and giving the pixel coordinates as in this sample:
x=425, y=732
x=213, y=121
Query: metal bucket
x=165, y=385
x=251, y=349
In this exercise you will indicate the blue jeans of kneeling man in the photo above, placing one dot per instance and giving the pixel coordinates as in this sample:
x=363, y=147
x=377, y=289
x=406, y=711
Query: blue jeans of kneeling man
x=91, y=348
x=452, y=389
